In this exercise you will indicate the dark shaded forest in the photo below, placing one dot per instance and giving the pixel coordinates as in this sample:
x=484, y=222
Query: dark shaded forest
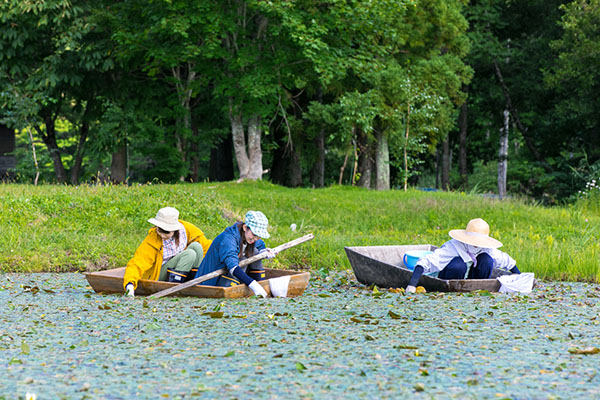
x=490, y=96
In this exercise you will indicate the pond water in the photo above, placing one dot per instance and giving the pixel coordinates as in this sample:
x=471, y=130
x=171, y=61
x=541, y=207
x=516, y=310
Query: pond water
x=339, y=340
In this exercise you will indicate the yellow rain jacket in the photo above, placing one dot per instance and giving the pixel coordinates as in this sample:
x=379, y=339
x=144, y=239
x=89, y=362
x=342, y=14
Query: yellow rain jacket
x=147, y=260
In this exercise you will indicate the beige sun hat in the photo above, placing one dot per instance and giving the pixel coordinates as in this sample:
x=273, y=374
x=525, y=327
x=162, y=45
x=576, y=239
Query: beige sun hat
x=167, y=219
x=476, y=234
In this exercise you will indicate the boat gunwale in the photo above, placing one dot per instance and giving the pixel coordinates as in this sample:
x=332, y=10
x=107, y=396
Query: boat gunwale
x=148, y=287
x=447, y=285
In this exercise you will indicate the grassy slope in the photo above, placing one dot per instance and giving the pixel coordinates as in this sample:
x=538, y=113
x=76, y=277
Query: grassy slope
x=63, y=228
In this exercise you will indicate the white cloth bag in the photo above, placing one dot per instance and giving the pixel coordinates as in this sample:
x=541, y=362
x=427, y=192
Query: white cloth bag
x=521, y=283
x=279, y=286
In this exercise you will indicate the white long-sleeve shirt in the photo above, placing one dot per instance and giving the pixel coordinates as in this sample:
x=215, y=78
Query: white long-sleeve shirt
x=441, y=257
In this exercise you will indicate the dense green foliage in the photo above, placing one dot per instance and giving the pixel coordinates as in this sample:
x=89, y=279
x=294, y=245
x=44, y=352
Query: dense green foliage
x=312, y=92
x=68, y=228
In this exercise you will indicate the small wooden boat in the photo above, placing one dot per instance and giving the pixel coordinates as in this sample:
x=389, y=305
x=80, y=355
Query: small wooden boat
x=111, y=281
x=383, y=266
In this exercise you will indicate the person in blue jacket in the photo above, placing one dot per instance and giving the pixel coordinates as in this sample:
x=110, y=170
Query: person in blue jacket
x=239, y=241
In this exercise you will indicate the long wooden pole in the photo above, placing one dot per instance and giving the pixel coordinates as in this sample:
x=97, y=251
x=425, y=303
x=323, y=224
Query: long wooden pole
x=222, y=271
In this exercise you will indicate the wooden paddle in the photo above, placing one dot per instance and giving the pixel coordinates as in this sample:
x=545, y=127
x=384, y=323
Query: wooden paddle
x=222, y=271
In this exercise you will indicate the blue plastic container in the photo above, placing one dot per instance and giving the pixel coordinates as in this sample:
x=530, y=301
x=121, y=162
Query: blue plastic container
x=412, y=256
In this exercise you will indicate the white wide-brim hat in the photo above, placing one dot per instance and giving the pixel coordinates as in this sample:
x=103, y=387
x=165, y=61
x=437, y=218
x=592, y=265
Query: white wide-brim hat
x=476, y=234
x=167, y=219
x=258, y=223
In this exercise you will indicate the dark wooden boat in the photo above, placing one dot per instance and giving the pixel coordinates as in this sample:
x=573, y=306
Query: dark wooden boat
x=111, y=281
x=383, y=266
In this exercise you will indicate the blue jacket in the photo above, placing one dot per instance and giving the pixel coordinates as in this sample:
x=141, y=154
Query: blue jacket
x=223, y=252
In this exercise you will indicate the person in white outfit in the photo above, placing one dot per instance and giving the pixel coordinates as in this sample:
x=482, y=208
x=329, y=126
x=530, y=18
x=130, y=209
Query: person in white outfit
x=470, y=254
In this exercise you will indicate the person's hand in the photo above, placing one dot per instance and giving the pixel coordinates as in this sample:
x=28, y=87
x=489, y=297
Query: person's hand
x=411, y=289
x=257, y=289
x=129, y=290
x=270, y=252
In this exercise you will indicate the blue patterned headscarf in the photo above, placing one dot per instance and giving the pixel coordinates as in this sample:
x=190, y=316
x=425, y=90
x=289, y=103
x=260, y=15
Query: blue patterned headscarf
x=258, y=223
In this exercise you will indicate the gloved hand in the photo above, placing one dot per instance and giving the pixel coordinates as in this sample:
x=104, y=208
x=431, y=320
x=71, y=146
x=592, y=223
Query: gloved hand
x=411, y=289
x=129, y=290
x=270, y=252
x=257, y=289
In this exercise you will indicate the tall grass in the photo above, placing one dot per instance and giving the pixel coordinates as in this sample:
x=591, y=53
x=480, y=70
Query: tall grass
x=65, y=228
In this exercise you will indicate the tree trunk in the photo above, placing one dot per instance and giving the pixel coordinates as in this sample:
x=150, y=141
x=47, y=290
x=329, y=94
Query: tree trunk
x=34, y=154
x=194, y=155
x=406, y=147
x=49, y=139
x=318, y=168
x=76, y=170
x=183, y=84
x=194, y=162
x=286, y=160
x=250, y=161
x=503, y=156
x=255, y=170
x=239, y=145
x=438, y=168
x=382, y=163
x=355, y=163
x=365, y=169
x=343, y=167
x=295, y=167
x=513, y=111
x=462, y=146
x=365, y=159
x=118, y=164
x=446, y=164
x=317, y=175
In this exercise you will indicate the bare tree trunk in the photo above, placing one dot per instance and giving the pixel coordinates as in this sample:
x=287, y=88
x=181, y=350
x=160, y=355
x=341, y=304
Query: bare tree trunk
x=513, y=112
x=343, y=167
x=462, y=146
x=503, y=156
x=382, y=162
x=49, y=139
x=33, y=152
x=239, y=144
x=405, y=147
x=183, y=84
x=249, y=162
x=295, y=167
x=365, y=160
x=255, y=170
x=438, y=168
x=118, y=164
x=83, y=134
x=446, y=164
x=365, y=169
x=318, y=169
x=355, y=165
x=194, y=161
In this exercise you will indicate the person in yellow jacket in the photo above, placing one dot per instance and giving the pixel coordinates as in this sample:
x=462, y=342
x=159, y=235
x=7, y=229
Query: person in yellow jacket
x=169, y=252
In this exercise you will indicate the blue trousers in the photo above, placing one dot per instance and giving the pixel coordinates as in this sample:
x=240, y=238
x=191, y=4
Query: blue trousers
x=457, y=268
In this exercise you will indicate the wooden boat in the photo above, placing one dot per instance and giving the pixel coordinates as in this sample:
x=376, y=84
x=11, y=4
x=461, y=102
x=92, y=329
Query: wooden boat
x=111, y=281
x=383, y=266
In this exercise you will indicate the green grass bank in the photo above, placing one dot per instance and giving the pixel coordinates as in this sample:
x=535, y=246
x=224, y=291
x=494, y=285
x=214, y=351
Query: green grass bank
x=67, y=228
